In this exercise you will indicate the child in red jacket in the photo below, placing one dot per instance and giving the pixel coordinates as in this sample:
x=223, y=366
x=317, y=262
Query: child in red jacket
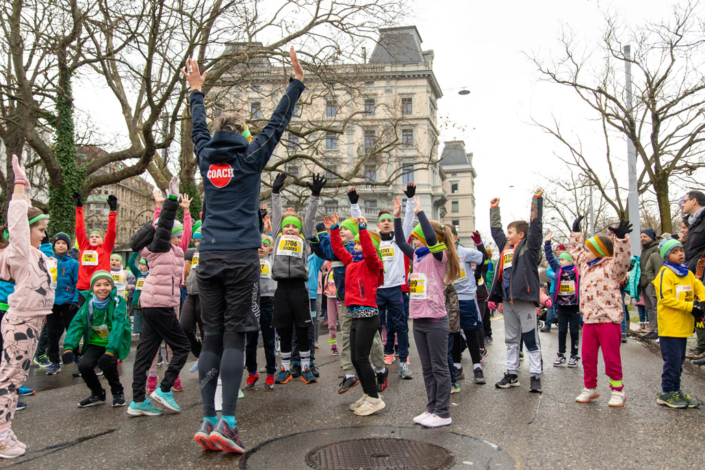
x=364, y=275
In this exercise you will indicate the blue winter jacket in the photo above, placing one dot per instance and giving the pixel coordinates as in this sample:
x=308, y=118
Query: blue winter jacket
x=314, y=268
x=324, y=250
x=7, y=287
x=66, y=280
x=231, y=169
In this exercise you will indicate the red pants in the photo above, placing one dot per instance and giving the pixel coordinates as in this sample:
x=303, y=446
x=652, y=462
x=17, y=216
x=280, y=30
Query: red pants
x=607, y=336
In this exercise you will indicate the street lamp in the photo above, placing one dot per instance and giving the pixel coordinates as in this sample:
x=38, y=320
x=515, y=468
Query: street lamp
x=464, y=91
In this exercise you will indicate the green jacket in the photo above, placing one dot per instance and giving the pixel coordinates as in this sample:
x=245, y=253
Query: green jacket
x=646, y=252
x=653, y=266
x=131, y=263
x=120, y=335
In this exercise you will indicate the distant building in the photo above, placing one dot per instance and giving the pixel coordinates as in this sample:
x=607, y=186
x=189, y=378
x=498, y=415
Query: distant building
x=459, y=185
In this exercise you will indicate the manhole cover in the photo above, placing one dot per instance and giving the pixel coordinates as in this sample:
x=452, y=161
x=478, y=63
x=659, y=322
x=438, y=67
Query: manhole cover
x=380, y=453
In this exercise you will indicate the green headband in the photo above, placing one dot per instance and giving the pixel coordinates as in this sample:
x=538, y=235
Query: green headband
x=598, y=248
x=385, y=216
x=350, y=224
x=116, y=256
x=96, y=231
x=566, y=256
x=291, y=220
x=247, y=134
x=37, y=218
x=267, y=242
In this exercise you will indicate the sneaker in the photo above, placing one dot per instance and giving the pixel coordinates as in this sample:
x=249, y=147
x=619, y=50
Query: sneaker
x=14, y=438
x=483, y=354
x=521, y=355
x=699, y=362
x=488, y=340
x=227, y=438
x=455, y=388
x=382, y=380
x=25, y=392
x=334, y=350
x=535, y=386
x=295, y=369
x=203, y=436
x=177, y=385
x=418, y=419
x=307, y=376
x=617, y=399
x=54, y=369
x=358, y=403
x=434, y=421
x=479, y=376
x=194, y=368
x=251, y=381
x=269, y=383
x=93, y=400
x=20, y=406
x=671, y=400
x=166, y=399
x=546, y=329
x=370, y=406
x=587, y=395
x=42, y=361
x=509, y=380
x=699, y=355
x=459, y=374
x=650, y=336
x=240, y=395
x=143, y=409
x=119, y=399
x=405, y=371
x=282, y=377
x=316, y=346
x=314, y=370
x=624, y=338
x=11, y=448
x=263, y=370
x=573, y=361
x=692, y=402
x=560, y=360
x=98, y=371
x=152, y=383
x=389, y=359
x=347, y=384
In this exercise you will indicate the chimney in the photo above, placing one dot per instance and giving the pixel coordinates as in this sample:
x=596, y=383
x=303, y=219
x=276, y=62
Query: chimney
x=364, y=55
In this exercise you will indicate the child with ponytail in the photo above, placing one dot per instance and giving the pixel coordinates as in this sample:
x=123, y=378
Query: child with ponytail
x=436, y=264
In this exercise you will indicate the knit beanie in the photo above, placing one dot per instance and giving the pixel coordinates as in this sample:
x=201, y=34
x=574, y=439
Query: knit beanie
x=649, y=233
x=197, y=234
x=116, y=256
x=418, y=233
x=143, y=261
x=375, y=241
x=63, y=237
x=197, y=225
x=666, y=246
x=350, y=224
x=598, y=248
x=566, y=256
x=561, y=247
x=102, y=275
x=178, y=229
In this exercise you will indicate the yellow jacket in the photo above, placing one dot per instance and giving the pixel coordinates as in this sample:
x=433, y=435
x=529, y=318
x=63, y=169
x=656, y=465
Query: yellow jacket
x=675, y=296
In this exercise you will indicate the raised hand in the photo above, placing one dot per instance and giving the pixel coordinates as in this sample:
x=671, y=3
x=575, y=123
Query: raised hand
x=298, y=69
x=396, y=207
x=185, y=202
x=174, y=186
x=353, y=195
x=334, y=219
x=193, y=75
x=158, y=197
x=576, y=223
x=278, y=183
x=362, y=222
x=410, y=190
x=622, y=229
x=263, y=210
x=112, y=203
x=494, y=202
x=539, y=192
x=78, y=199
x=548, y=237
x=477, y=238
x=327, y=222
x=318, y=182
x=417, y=207
x=267, y=224
x=20, y=174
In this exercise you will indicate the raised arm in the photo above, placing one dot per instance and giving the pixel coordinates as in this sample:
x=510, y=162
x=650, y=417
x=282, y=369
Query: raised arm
x=535, y=235
x=369, y=252
x=401, y=242
x=496, y=225
x=132, y=264
x=199, y=131
x=161, y=242
x=337, y=244
x=80, y=223
x=111, y=234
x=408, y=225
x=310, y=218
x=429, y=234
x=548, y=250
x=276, y=214
x=354, y=197
x=185, y=205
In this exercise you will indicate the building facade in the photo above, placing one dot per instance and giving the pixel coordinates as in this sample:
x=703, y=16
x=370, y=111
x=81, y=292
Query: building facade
x=459, y=185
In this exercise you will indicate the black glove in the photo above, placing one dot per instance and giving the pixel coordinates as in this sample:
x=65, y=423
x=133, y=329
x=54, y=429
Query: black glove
x=410, y=190
x=73, y=309
x=697, y=312
x=576, y=223
x=622, y=229
x=68, y=357
x=262, y=213
x=78, y=199
x=106, y=361
x=278, y=183
x=112, y=202
x=354, y=196
x=320, y=227
x=318, y=182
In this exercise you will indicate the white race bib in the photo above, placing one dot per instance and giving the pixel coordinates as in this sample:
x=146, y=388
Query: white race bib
x=102, y=331
x=140, y=283
x=194, y=261
x=291, y=245
x=508, y=258
x=89, y=258
x=417, y=286
x=566, y=288
x=687, y=290
x=481, y=282
x=331, y=277
x=387, y=251
x=117, y=277
x=52, y=267
x=265, y=269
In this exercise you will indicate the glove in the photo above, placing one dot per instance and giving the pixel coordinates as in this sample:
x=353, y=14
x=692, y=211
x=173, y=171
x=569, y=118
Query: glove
x=74, y=308
x=410, y=190
x=320, y=227
x=622, y=229
x=361, y=225
x=68, y=357
x=492, y=305
x=106, y=361
x=174, y=186
x=20, y=174
x=278, y=183
x=576, y=223
x=78, y=199
x=318, y=182
x=698, y=312
x=476, y=238
x=263, y=213
x=112, y=202
x=354, y=196
x=312, y=239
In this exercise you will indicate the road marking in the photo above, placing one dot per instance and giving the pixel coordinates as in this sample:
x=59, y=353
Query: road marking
x=497, y=318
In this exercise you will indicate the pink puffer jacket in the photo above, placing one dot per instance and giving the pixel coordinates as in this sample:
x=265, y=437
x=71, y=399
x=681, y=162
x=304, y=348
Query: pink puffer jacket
x=162, y=286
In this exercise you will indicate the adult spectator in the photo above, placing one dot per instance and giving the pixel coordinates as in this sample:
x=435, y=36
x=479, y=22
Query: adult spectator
x=649, y=246
x=693, y=229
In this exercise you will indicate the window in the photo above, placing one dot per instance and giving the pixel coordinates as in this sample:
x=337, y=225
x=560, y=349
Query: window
x=292, y=145
x=455, y=223
x=331, y=109
x=293, y=170
x=370, y=107
x=370, y=138
x=256, y=110
x=433, y=109
x=331, y=177
x=331, y=141
x=330, y=207
x=370, y=173
x=454, y=206
x=369, y=83
x=297, y=110
x=407, y=106
x=407, y=138
x=454, y=188
x=371, y=206
x=407, y=174
x=453, y=175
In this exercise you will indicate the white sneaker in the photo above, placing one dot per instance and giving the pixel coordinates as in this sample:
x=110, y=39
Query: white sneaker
x=422, y=417
x=14, y=437
x=358, y=403
x=434, y=421
x=618, y=399
x=370, y=406
x=587, y=395
x=10, y=448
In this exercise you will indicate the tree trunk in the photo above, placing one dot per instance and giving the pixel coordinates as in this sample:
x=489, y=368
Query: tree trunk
x=189, y=167
x=664, y=205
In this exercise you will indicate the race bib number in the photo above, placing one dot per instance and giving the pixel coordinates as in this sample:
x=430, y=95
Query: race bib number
x=462, y=277
x=89, y=258
x=291, y=245
x=102, y=331
x=265, y=269
x=140, y=284
x=566, y=288
x=688, y=291
x=117, y=277
x=331, y=277
x=194, y=261
x=508, y=258
x=417, y=286
x=387, y=251
x=481, y=282
x=52, y=267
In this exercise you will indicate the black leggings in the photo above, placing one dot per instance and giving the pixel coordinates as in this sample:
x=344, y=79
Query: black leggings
x=286, y=334
x=568, y=315
x=472, y=339
x=222, y=355
x=190, y=317
x=362, y=334
x=486, y=319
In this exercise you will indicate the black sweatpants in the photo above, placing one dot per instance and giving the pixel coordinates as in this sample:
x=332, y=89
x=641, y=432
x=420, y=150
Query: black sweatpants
x=57, y=322
x=86, y=367
x=568, y=315
x=486, y=319
x=362, y=334
x=474, y=346
x=159, y=323
x=190, y=317
x=266, y=308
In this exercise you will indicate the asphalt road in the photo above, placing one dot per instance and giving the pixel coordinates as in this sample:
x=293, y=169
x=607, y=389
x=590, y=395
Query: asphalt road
x=549, y=430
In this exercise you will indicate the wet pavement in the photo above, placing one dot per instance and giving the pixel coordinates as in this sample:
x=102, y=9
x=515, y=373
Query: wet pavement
x=491, y=428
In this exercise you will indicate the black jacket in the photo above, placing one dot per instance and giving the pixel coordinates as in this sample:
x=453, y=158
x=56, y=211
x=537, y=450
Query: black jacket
x=695, y=243
x=646, y=252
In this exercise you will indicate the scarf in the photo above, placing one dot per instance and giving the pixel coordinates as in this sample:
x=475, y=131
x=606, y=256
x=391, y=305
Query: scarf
x=681, y=270
x=387, y=237
x=357, y=255
x=593, y=262
x=695, y=217
x=100, y=304
x=422, y=252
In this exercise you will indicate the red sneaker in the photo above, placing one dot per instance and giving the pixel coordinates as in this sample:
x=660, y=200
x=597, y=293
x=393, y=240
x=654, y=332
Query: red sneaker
x=251, y=380
x=269, y=383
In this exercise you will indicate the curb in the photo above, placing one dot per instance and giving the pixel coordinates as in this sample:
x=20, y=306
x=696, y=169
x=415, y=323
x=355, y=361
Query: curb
x=688, y=364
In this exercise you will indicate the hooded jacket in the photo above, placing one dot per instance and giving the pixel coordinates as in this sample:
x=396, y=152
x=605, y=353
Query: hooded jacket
x=285, y=266
x=8, y=287
x=231, y=169
x=66, y=280
x=646, y=251
x=363, y=277
x=695, y=243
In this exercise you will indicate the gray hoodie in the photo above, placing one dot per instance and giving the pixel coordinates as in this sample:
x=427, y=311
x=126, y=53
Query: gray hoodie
x=291, y=252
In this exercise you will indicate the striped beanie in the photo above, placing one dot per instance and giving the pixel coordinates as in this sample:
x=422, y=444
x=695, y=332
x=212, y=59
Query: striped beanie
x=197, y=234
x=178, y=229
x=598, y=248
x=666, y=246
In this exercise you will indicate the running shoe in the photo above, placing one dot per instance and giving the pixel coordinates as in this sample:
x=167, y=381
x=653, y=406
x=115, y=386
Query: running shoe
x=422, y=417
x=14, y=438
x=671, y=400
x=20, y=406
x=405, y=371
x=521, y=355
x=152, y=383
x=618, y=399
x=389, y=359
x=93, y=400
x=166, y=399
x=334, y=350
x=251, y=380
x=194, y=368
x=587, y=395
x=382, y=380
x=434, y=421
x=535, y=386
x=459, y=374
x=509, y=380
x=370, y=406
x=347, y=384
x=560, y=360
x=177, y=385
x=358, y=403
x=488, y=340
x=240, y=395
x=76, y=374
x=11, y=448
x=203, y=436
x=455, y=388
x=144, y=409
x=295, y=369
x=692, y=402
x=624, y=338
x=317, y=347
x=98, y=371
x=314, y=370
x=118, y=399
x=282, y=377
x=25, y=392
x=42, y=361
x=227, y=438
x=479, y=377
x=483, y=354
x=263, y=370
x=54, y=369
x=573, y=361
x=269, y=383
x=307, y=376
